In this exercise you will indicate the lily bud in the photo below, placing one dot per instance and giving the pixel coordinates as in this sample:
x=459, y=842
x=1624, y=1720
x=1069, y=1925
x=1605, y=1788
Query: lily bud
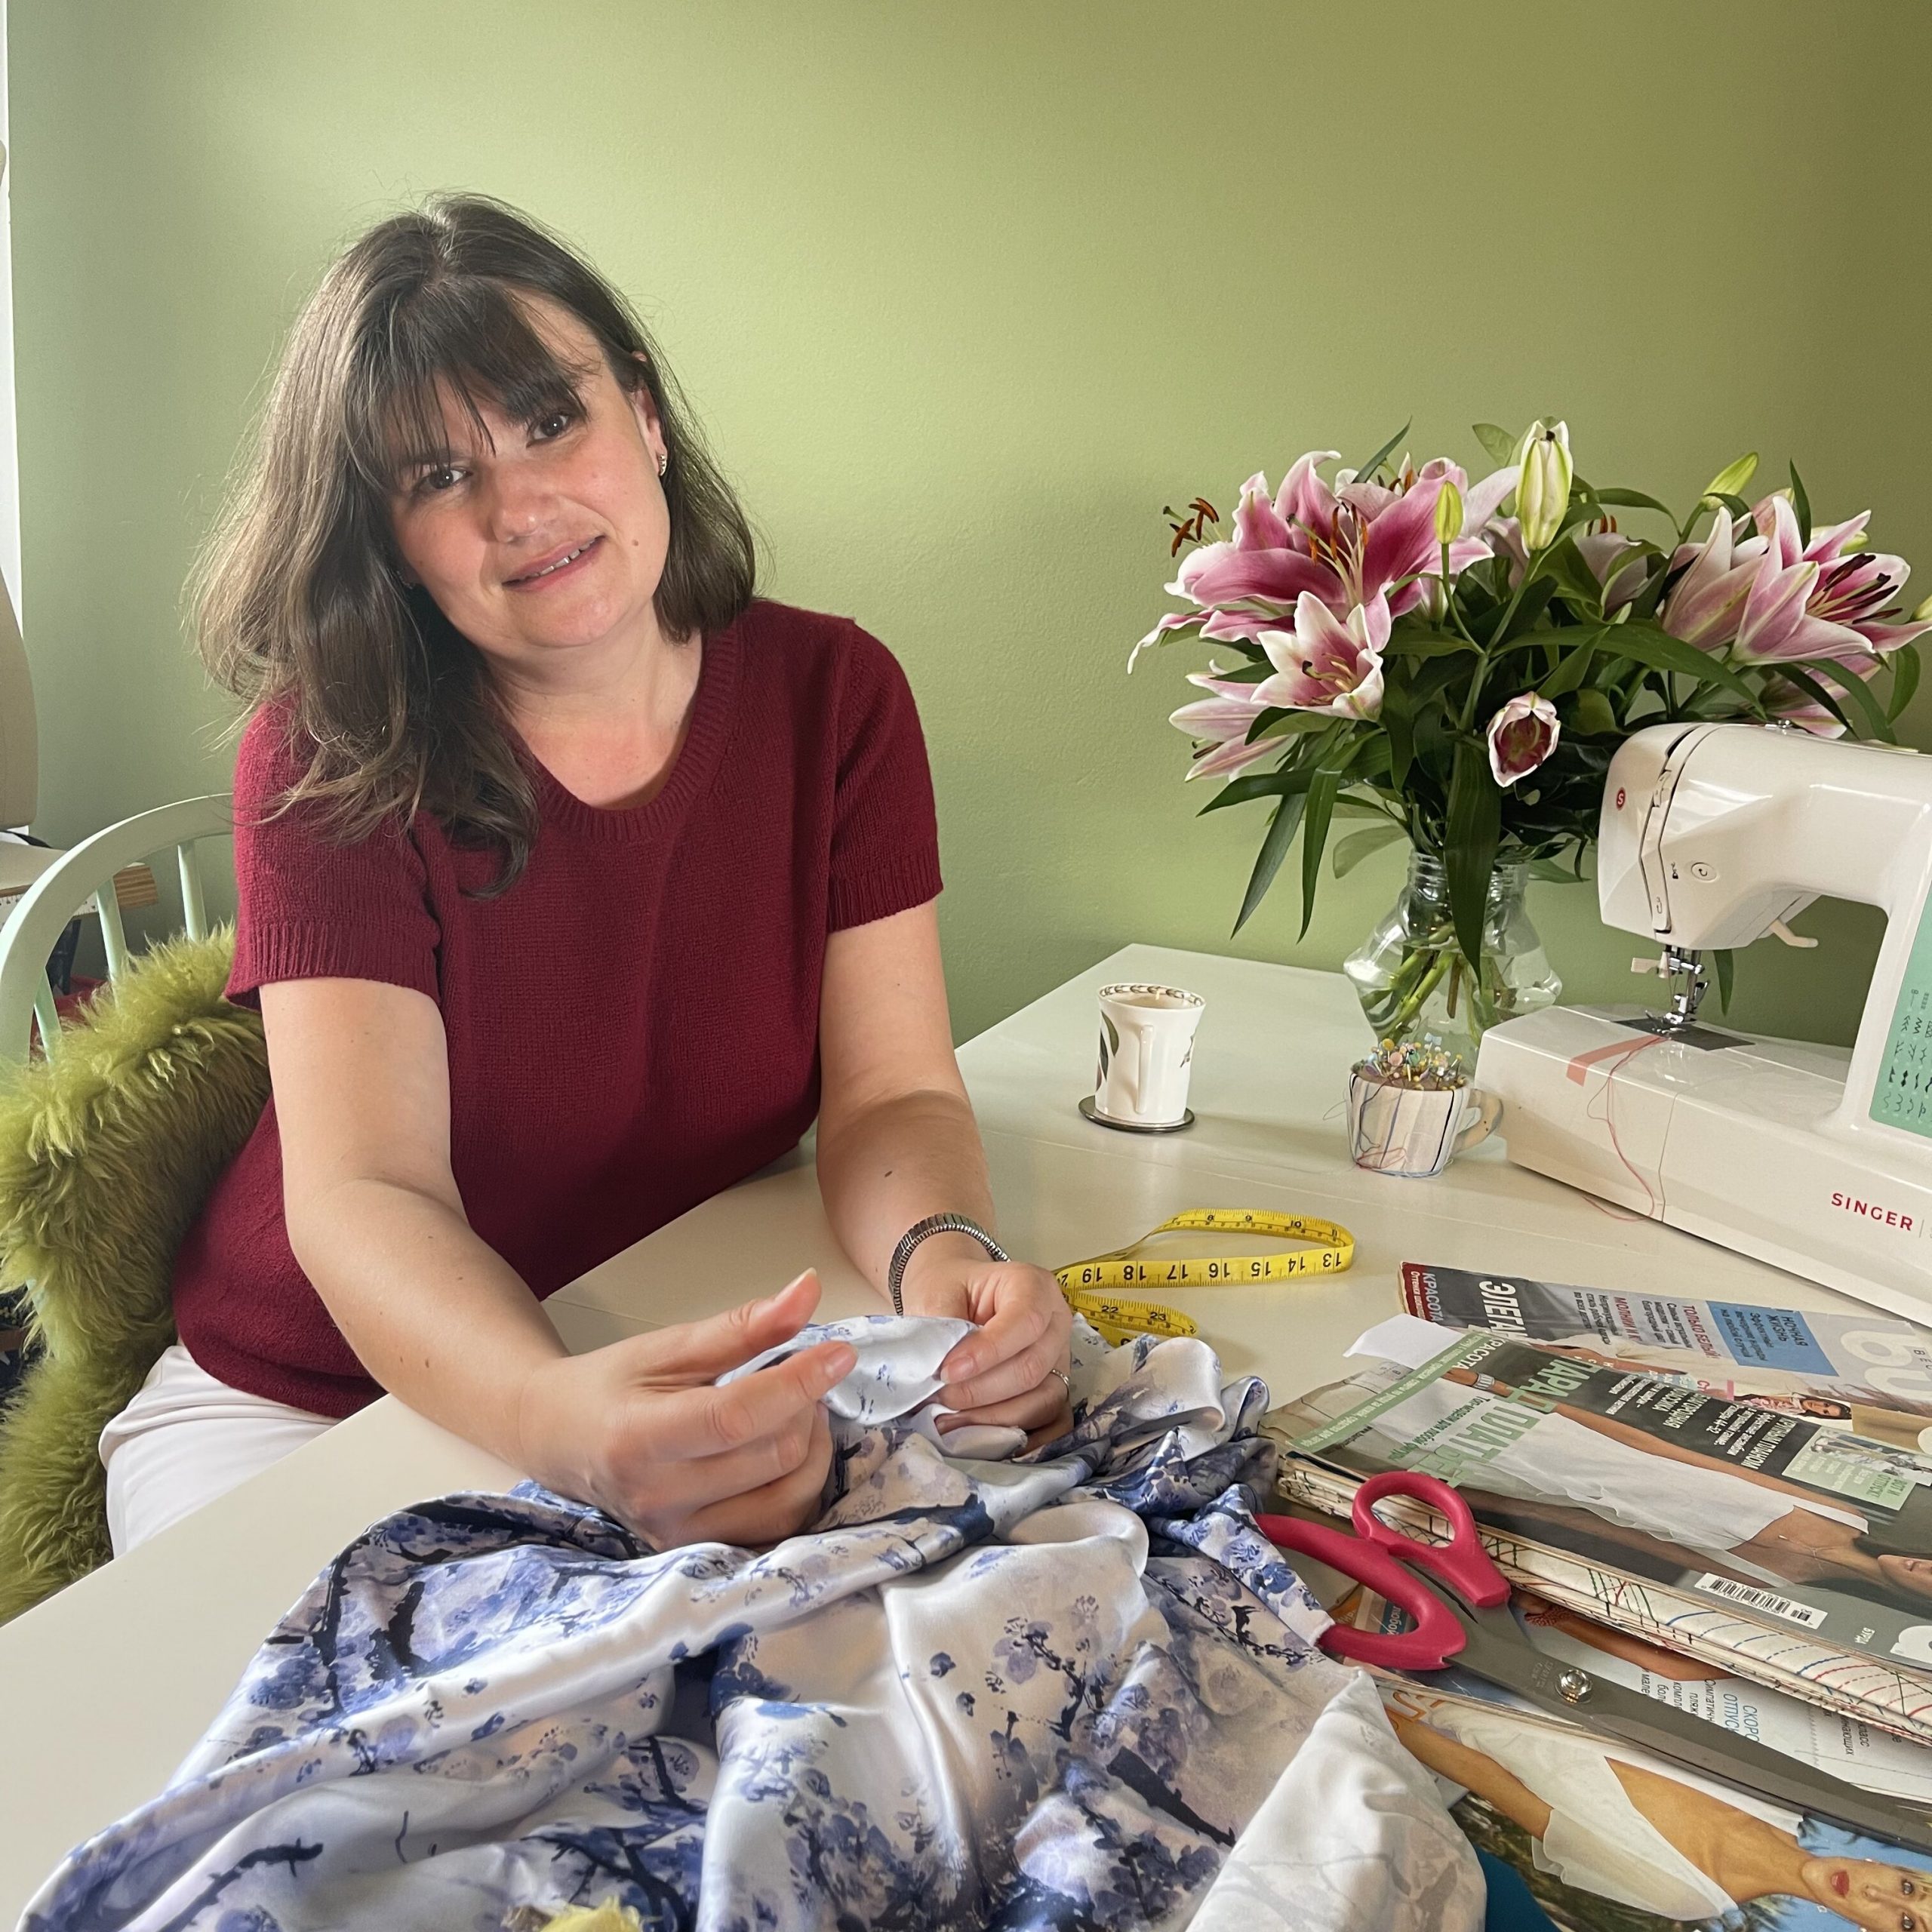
x=1521, y=736
x=1921, y=613
x=1730, y=481
x=1542, y=491
x=1448, y=514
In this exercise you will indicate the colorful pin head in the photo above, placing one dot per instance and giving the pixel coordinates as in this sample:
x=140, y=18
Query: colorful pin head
x=1425, y=1062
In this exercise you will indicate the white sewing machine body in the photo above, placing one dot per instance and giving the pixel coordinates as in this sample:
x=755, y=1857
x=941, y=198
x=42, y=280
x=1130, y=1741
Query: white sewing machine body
x=1810, y=1158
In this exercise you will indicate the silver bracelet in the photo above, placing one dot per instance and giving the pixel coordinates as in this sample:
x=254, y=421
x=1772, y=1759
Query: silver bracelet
x=933, y=1224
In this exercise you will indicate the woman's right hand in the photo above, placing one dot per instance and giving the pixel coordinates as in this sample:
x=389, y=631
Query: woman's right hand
x=638, y=1428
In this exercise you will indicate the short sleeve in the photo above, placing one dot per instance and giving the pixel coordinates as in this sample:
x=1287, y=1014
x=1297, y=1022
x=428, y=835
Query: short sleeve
x=309, y=907
x=885, y=830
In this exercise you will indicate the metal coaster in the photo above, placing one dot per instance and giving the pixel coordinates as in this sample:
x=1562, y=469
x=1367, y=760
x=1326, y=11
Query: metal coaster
x=1100, y=1119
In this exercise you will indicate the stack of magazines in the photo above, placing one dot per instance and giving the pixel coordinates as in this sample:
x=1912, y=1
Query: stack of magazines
x=1728, y=1508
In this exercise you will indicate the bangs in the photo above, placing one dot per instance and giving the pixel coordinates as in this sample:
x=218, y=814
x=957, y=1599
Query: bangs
x=466, y=337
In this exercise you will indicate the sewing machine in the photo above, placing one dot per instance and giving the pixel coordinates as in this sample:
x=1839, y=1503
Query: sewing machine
x=1806, y=1156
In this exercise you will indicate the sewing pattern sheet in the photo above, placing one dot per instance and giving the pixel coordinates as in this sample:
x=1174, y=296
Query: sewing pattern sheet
x=1078, y=1689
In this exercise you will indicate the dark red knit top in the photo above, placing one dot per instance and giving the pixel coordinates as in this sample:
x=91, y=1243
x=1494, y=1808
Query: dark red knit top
x=633, y=1026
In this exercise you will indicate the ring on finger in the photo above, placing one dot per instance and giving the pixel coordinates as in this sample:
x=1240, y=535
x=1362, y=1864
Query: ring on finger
x=1065, y=1380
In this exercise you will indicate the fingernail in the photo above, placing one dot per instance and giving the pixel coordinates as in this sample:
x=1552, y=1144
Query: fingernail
x=771, y=1301
x=960, y=1366
x=839, y=1363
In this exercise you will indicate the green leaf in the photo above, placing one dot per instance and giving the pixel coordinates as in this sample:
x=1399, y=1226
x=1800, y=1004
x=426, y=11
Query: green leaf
x=1475, y=825
x=1375, y=462
x=1726, y=962
x=1282, y=830
x=1573, y=668
x=1350, y=852
x=1797, y=675
x=1595, y=718
x=1801, y=503
x=1633, y=500
x=1277, y=722
x=1500, y=445
x=1429, y=643
x=1582, y=508
x=1399, y=731
x=1575, y=579
x=1855, y=693
x=1735, y=504
x=1276, y=784
x=1315, y=837
x=1905, y=680
x=1369, y=761
x=1732, y=478
x=1656, y=650
x=1530, y=606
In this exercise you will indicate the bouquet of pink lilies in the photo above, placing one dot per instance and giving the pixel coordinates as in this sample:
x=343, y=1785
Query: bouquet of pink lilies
x=1458, y=660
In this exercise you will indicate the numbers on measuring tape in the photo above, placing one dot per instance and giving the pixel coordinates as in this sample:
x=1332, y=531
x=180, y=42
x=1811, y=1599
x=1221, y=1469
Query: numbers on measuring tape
x=1332, y=1252
x=1114, y=1318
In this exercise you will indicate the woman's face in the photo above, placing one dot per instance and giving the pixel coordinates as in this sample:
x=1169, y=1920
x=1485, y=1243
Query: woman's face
x=1880, y=1898
x=1911, y=1574
x=544, y=538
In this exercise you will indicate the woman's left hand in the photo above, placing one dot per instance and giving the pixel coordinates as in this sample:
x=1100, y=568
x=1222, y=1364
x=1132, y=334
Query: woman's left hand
x=1009, y=1373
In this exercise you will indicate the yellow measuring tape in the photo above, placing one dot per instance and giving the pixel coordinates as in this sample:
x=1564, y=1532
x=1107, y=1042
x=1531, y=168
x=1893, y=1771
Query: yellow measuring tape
x=1087, y=1284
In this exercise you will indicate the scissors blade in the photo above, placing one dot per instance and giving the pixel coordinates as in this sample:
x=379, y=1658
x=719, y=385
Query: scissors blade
x=1498, y=1651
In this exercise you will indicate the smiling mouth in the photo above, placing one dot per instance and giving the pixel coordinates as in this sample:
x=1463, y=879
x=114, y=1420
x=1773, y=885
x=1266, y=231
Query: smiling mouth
x=556, y=564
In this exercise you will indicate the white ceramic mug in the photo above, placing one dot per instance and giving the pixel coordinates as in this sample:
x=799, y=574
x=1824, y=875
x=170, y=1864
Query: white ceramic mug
x=1146, y=1050
x=1414, y=1131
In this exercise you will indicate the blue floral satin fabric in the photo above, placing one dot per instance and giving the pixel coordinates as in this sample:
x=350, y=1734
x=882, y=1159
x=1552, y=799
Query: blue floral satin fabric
x=1075, y=1688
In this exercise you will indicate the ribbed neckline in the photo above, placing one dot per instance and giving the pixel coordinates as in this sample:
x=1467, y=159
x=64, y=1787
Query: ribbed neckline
x=713, y=712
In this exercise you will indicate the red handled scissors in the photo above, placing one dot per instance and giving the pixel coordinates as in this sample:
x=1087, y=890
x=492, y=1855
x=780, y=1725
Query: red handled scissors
x=1462, y=1617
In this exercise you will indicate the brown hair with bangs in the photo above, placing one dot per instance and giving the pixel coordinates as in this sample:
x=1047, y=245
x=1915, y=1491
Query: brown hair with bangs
x=299, y=598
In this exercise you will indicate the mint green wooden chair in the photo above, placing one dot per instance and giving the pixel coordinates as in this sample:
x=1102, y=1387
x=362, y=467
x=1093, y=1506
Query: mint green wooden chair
x=82, y=881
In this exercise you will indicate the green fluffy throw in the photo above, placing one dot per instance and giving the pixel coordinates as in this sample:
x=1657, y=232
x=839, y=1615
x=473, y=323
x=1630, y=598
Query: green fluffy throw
x=106, y=1154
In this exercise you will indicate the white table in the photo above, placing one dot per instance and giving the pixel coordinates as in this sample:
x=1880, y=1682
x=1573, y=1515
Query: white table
x=105, y=1687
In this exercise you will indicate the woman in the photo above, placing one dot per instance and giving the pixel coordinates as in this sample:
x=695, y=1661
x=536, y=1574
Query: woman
x=1664, y=1500
x=573, y=881
x=1764, y=1524
x=1607, y=1823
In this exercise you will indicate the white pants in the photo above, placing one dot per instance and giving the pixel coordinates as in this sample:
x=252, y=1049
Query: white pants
x=186, y=1438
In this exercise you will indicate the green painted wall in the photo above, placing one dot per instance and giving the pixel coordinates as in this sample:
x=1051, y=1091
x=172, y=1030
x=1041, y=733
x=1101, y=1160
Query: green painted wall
x=965, y=294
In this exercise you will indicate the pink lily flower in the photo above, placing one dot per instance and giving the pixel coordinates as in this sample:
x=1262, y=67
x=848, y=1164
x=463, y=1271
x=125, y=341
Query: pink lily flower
x=1521, y=736
x=1325, y=664
x=1706, y=603
x=1223, y=721
x=1853, y=586
x=1345, y=546
x=1601, y=550
x=1773, y=595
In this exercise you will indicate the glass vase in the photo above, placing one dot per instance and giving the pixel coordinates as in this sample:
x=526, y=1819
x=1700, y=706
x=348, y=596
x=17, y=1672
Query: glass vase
x=1411, y=977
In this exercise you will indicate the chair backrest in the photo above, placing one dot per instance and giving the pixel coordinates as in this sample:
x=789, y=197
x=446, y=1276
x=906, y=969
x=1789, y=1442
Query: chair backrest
x=83, y=880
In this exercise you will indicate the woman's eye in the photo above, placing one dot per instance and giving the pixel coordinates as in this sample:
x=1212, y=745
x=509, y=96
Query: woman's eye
x=433, y=482
x=549, y=427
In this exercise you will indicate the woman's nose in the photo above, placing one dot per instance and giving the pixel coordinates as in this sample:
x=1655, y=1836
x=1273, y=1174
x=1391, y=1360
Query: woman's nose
x=517, y=501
